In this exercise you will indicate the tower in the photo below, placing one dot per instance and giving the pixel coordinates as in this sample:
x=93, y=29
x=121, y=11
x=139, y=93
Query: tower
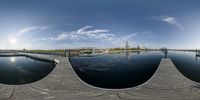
x=127, y=45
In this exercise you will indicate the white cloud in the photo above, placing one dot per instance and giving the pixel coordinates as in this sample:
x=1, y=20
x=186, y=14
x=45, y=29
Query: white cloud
x=83, y=29
x=29, y=29
x=133, y=39
x=172, y=21
x=121, y=40
x=84, y=33
x=99, y=36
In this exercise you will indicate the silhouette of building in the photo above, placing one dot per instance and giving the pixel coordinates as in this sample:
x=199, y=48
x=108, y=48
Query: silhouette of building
x=127, y=46
x=138, y=47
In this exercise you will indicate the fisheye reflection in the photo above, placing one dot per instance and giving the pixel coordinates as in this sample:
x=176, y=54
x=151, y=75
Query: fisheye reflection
x=126, y=68
x=187, y=63
x=22, y=70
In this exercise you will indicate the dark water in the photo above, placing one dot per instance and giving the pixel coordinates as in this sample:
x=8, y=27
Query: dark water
x=187, y=63
x=23, y=70
x=116, y=71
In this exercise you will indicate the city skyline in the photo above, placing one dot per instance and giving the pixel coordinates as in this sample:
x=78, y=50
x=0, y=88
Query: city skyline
x=64, y=24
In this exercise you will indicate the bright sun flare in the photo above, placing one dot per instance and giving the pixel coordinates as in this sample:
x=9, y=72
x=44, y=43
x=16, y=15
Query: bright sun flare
x=13, y=40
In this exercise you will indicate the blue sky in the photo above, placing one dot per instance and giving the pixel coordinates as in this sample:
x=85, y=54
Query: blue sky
x=60, y=24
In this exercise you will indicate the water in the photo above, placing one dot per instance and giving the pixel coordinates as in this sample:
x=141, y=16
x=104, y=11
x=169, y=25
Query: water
x=23, y=70
x=187, y=63
x=115, y=71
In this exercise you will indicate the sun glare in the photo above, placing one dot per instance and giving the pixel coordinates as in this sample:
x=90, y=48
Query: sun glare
x=13, y=41
x=12, y=59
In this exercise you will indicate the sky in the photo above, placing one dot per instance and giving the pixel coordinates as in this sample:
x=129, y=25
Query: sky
x=62, y=24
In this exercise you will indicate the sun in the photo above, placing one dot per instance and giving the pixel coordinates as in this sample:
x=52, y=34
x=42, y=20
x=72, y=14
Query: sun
x=13, y=41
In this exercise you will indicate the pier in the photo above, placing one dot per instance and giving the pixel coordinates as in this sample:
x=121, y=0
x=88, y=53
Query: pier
x=63, y=84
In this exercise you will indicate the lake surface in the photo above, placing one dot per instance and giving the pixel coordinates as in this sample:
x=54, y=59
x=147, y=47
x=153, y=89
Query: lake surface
x=187, y=63
x=115, y=71
x=23, y=70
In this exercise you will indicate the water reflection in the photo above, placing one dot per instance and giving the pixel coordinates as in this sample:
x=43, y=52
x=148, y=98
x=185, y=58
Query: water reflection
x=196, y=58
x=187, y=63
x=118, y=70
x=138, y=52
x=127, y=55
x=23, y=70
x=197, y=55
x=12, y=59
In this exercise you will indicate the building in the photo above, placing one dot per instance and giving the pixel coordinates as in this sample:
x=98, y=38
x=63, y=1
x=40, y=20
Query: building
x=127, y=45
